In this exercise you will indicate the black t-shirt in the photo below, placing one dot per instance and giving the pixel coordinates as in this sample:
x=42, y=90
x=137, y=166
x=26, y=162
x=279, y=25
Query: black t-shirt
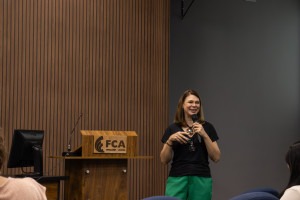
x=186, y=162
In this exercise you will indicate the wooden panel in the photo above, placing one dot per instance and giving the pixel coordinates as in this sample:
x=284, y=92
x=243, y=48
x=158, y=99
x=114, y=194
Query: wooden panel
x=52, y=190
x=73, y=185
x=96, y=179
x=105, y=59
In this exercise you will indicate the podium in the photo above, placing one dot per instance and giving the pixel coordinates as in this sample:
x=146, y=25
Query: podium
x=100, y=170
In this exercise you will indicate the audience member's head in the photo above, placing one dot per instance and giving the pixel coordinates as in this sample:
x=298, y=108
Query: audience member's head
x=2, y=152
x=292, y=159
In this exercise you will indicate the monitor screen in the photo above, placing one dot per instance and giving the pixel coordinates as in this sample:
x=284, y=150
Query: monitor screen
x=26, y=151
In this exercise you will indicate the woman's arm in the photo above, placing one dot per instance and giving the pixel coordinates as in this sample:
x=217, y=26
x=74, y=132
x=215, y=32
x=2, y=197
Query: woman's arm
x=166, y=153
x=213, y=150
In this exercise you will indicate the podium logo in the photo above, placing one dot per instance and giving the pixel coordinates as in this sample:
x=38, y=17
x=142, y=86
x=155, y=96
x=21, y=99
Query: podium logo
x=98, y=144
x=110, y=144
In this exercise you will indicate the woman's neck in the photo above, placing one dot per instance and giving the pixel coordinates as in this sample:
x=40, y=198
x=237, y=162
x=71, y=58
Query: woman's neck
x=189, y=122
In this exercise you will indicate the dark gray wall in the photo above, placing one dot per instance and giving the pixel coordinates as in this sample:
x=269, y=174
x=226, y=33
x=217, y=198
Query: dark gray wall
x=243, y=58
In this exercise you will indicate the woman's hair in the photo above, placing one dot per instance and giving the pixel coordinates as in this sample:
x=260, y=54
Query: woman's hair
x=179, y=116
x=292, y=158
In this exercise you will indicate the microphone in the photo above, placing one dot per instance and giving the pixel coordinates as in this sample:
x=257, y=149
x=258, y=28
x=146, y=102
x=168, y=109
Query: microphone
x=68, y=153
x=195, y=118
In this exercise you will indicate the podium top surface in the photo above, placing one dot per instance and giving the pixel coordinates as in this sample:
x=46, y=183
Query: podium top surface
x=107, y=133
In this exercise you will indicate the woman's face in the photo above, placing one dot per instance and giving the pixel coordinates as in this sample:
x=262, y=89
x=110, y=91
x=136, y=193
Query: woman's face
x=191, y=105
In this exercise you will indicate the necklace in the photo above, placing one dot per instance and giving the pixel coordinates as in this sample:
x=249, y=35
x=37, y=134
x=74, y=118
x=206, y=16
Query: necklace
x=190, y=130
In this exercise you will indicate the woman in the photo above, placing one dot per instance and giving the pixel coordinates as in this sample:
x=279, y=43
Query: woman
x=188, y=142
x=19, y=188
x=292, y=158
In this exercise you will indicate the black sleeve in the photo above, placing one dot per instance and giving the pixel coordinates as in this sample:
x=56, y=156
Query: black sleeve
x=211, y=131
x=166, y=135
x=173, y=128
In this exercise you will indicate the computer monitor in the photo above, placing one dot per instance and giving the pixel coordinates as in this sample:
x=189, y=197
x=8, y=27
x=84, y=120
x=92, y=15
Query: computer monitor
x=26, y=151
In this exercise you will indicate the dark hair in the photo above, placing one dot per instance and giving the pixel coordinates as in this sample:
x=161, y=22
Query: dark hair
x=2, y=152
x=179, y=116
x=292, y=158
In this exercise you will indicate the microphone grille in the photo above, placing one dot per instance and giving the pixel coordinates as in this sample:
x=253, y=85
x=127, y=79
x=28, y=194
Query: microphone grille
x=195, y=117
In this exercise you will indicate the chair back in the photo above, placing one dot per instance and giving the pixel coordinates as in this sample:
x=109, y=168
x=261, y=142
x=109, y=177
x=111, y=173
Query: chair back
x=161, y=198
x=255, y=196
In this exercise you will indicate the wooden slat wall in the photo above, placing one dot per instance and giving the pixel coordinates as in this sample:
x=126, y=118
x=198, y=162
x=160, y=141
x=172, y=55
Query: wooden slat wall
x=106, y=59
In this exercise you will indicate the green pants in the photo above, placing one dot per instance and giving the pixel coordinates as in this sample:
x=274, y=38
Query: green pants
x=189, y=187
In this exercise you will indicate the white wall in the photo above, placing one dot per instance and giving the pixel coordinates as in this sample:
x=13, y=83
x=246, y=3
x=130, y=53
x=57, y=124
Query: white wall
x=243, y=59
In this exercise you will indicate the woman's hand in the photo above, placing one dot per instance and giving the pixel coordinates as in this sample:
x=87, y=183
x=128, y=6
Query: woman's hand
x=180, y=136
x=198, y=128
x=213, y=150
x=166, y=153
